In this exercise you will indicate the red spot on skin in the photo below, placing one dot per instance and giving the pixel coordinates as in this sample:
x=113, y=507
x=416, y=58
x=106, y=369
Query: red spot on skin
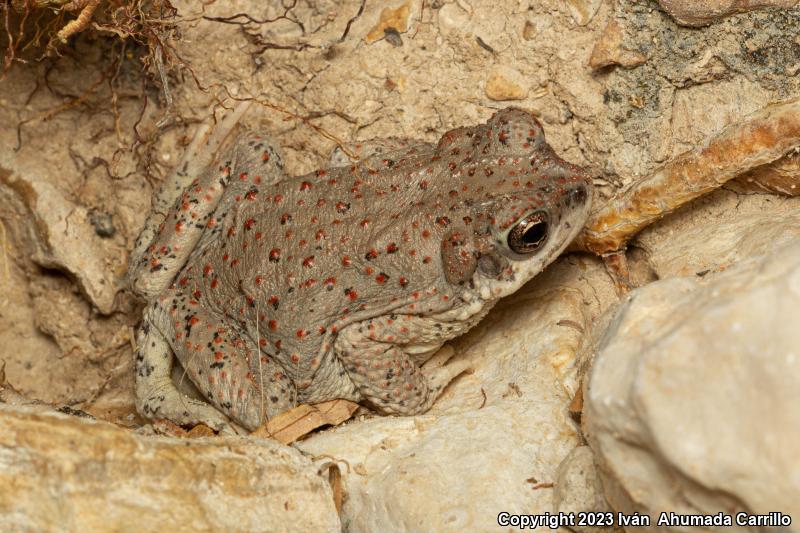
x=214, y=283
x=295, y=358
x=302, y=242
x=423, y=185
x=259, y=235
x=308, y=261
x=321, y=330
x=364, y=223
x=231, y=232
x=278, y=198
x=183, y=281
x=426, y=259
x=185, y=206
x=305, y=186
x=320, y=234
x=234, y=262
x=249, y=223
x=212, y=222
x=391, y=248
x=321, y=202
x=243, y=176
x=272, y=300
x=278, y=344
x=346, y=261
x=380, y=278
x=218, y=340
x=262, y=342
x=218, y=356
x=330, y=282
x=369, y=271
x=403, y=281
x=352, y=294
x=194, y=320
x=265, y=156
x=273, y=324
x=259, y=280
x=426, y=233
x=301, y=333
x=275, y=254
x=320, y=173
x=372, y=254
x=415, y=295
x=257, y=180
x=178, y=227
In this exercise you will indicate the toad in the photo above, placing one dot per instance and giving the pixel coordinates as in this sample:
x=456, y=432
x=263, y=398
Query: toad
x=272, y=290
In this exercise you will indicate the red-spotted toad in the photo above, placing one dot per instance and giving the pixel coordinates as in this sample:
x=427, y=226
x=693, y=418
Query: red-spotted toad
x=272, y=291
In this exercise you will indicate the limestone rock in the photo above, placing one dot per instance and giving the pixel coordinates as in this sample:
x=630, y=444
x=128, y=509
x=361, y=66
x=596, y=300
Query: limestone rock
x=63, y=237
x=701, y=13
x=60, y=473
x=691, y=403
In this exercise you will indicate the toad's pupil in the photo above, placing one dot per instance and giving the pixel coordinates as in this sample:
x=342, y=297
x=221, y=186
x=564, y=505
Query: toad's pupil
x=534, y=235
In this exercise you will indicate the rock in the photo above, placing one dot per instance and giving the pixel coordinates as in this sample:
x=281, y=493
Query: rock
x=63, y=237
x=583, y=11
x=704, y=12
x=578, y=488
x=505, y=83
x=493, y=441
x=62, y=473
x=691, y=403
x=609, y=50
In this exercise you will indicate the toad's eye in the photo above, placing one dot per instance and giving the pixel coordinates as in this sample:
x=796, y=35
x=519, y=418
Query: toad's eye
x=529, y=233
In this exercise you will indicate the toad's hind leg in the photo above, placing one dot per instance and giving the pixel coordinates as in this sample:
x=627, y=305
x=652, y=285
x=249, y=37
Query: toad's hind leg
x=156, y=394
x=223, y=362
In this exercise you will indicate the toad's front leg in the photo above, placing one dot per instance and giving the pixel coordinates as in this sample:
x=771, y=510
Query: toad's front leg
x=385, y=375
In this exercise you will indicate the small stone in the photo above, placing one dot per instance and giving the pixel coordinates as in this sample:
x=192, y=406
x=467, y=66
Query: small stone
x=583, y=11
x=394, y=18
x=103, y=223
x=609, y=50
x=505, y=83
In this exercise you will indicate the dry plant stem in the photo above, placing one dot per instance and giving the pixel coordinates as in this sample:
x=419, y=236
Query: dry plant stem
x=198, y=156
x=80, y=23
x=760, y=138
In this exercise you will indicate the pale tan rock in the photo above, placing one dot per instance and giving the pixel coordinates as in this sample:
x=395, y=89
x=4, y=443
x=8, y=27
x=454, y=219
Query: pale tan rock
x=583, y=11
x=60, y=473
x=691, y=404
x=505, y=83
x=703, y=12
x=63, y=238
x=609, y=50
